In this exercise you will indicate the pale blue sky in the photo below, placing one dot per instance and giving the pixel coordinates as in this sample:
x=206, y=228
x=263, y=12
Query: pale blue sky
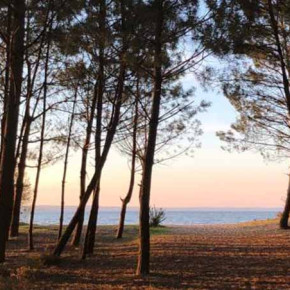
x=213, y=178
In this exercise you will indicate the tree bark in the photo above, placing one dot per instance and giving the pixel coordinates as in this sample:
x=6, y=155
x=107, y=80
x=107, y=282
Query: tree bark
x=14, y=230
x=92, y=225
x=35, y=192
x=83, y=172
x=143, y=267
x=7, y=165
x=275, y=27
x=91, y=229
x=285, y=215
x=7, y=74
x=23, y=142
x=96, y=177
x=65, y=164
x=128, y=197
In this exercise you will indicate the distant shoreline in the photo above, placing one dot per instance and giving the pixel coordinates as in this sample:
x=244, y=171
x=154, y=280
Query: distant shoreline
x=174, y=226
x=110, y=216
x=174, y=208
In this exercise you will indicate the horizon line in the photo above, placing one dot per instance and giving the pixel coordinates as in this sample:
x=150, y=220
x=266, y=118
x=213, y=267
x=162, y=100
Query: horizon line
x=171, y=207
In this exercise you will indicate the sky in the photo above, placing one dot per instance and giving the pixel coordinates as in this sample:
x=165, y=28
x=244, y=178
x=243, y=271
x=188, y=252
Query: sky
x=212, y=178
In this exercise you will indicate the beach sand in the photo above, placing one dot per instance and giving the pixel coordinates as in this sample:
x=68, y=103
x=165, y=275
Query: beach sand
x=253, y=255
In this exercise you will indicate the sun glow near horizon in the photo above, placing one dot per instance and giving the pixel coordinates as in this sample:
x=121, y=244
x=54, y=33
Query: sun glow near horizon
x=212, y=178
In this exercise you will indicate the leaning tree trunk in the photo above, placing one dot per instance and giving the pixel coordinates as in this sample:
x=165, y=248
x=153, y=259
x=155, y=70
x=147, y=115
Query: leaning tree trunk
x=83, y=172
x=75, y=219
x=92, y=225
x=97, y=102
x=143, y=267
x=128, y=197
x=96, y=177
x=7, y=75
x=14, y=230
x=24, y=137
x=78, y=232
x=95, y=180
x=65, y=165
x=38, y=171
x=7, y=165
x=275, y=28
x=91, y=230
x=285, y=215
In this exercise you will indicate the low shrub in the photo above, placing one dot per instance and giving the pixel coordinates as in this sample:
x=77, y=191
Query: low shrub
x=156, y=216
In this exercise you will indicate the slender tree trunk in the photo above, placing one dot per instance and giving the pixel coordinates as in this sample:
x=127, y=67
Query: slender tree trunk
x=35, y=192
x=92, y=225
x=96, y=177
x=143, y=267
x=23, y=142
x=75, y=219
x=14, y=227
x=275, y=27
x=7, y=165
x=78, y=232
x=97, y=101
x=14, y=230
x=128, y=197
x=285, y=215
x=112, y=126
x=83, y=172
x=91, y=230
x=65, y=165
x=7, y=74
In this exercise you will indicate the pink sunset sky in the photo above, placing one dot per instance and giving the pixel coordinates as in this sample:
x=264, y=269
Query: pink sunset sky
x=212, y=178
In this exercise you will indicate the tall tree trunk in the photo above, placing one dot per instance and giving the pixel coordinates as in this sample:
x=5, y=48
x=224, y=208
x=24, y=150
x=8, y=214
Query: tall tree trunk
x=92, y=225
x=96, y=177
x=285, y=215
x=112, y=126
x=14, y=230
x=35, y=192
x=83, y=172
x=7, y=74
x=128, y=197
x=275, y=28
x=97, y=101
x=143, y=267
x=75, y=219
x=7, y=165
x=22, y=146
x=65, y=165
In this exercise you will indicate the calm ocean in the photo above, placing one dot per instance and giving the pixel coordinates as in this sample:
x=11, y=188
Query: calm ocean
x=49, y=215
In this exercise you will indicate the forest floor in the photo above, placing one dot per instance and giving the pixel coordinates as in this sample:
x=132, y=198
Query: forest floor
x=252, y=255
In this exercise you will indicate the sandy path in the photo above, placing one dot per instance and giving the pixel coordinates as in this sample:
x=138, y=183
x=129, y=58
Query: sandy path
x=245, y=256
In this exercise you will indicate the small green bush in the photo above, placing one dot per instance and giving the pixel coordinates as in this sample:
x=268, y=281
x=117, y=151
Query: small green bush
x=156, y=216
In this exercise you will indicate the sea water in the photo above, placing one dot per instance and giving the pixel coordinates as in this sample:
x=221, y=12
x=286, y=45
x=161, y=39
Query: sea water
x=49, y=215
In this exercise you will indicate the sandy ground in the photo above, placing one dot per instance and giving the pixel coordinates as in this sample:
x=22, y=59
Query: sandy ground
x=245, y=256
